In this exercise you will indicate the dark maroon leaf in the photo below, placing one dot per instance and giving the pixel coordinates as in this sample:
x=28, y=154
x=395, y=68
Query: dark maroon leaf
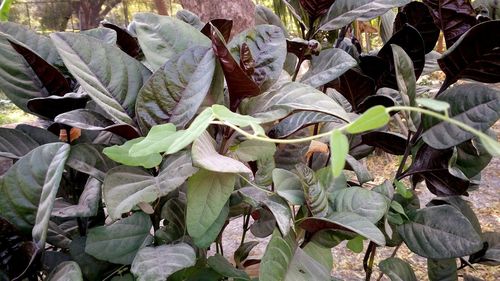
x=389, y=142
x=247, y=63
x=410, y=40
x=52, y=106
x=224, y=26
x=418, y=15
x=125, y=40
x=475, y=56
x=316, y=8
x=313, y=225
x=453, y=17
x=431, y=165
x=372, y=101
x=93, y=121
x=354, y=86
x=303, y=49
x=52, y=79
x=17, y=252
x=239, y=84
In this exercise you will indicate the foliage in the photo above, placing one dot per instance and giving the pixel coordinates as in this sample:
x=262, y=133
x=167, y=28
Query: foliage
x=163, y=133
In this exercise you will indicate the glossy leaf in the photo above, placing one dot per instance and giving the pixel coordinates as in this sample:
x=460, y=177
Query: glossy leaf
x=288, y=186
x=345, y=221
x=207, y=238
x=373, y=118
x=480, y=110
x=492, y=254
x=296, y=121
x=226, y=269
x=125, y=40
x=354, y=86
x=207, y=193
x=386, y=26
x=239, y=84
x=88, y=203
x=329, y=65
x=364, y=202
x=205, y=156
x=440, y=232
x=362, y=173
x=339, y=146
x=418, y=15
x=305, y=267
x=397, y=270
x=174, y=92
x=454, y=18
x=472, y=157
x=15, y=144
x=389, y=142
x=51, y=106
x=253, y=150
x=224, y=26
x=343, y=12
x=290, y=97
x=267, y=45
x=106, y=73
x=68, y=270
x=161, y=37
x=94, y=121
x=28, y=194
x=277, y=258
x=410, y=40
x=88, y=159
x=314, y=193
x=124, y=187
x=190, y=18
x=120, y=241
x=474, y=56
x=158, y=263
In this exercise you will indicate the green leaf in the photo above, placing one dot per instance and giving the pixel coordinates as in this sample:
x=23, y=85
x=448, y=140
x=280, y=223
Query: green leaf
x=88, y=203
x=207, y=238
x=277, y=257
x=440, y=232
x=106, y=35
x=491, y=145
x=120, y=241
x=207, y=193
x=158, y=263
x=474, y=104
x=205, y=156
x=88, y=159
x=28, y=189
x=402, y=190
x=442, y=270
x=120, y=154
x=92, y=268
x=68, y=270
x=288, y=186
x=299, y=120
x=322, y=255
x=359, y=169
x=304, y=267
x=174, y=92
x=397, y=270
x=343, y=12
x=161, y=37
x=124, y=187
x=314, y=192
x=343, y=220
x=224, y=114
x=253, y=150
x=406, y=80
x=387, y=25
x=267, y=45
x=364, y=202
x=436, y=105
x=464, y=206
x=328, y=66
x=243, y=251
x=190, y=18
x=339, y=145
x=106, y=73
x=164, y=138
x=355, y=244
x=290, y=97
x=226, y=269
x=372, y=119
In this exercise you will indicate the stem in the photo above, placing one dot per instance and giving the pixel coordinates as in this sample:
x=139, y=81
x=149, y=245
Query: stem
x=246, y=221
x=368, y=260
x=297, y=68
x=405, y=156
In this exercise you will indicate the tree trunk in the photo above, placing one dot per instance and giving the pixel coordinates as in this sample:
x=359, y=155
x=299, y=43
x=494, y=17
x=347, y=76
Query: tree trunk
x=240, y=11
x=161, y=7
x=92, y=12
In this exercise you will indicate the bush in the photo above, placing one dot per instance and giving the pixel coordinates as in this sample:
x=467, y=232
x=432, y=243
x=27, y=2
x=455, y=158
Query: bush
x=163, y=133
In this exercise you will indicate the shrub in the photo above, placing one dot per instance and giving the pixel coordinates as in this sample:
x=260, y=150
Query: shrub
x=163, y=133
